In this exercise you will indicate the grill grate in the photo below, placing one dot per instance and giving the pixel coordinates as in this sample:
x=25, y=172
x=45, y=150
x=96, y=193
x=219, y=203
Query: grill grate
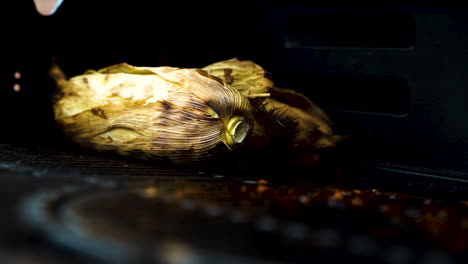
x=86, y=206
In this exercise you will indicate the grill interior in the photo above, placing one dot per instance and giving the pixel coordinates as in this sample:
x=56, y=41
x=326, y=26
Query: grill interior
x=396, y=192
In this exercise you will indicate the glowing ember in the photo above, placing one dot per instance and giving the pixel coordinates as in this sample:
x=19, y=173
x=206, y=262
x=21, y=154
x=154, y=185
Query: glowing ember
x=16, y=87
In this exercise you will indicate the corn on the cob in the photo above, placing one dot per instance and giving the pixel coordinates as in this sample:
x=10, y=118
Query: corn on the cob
x=184, y=115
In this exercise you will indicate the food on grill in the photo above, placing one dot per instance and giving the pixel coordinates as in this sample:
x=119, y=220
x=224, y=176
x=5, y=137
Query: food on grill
x=187, y=115
x=288, y=125
x=245, y=76
x=182, y=115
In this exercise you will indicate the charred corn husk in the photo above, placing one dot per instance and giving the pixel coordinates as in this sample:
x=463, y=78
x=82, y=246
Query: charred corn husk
x=191, y=115
x=280, y=114
x=247, y=77
x=183, y=115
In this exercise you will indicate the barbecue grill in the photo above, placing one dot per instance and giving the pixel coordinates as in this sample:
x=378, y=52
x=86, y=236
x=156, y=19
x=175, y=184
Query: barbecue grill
x=393, y=77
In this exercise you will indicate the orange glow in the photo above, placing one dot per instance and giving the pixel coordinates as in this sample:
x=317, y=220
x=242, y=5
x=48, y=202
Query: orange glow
x=16, y=87
x=338, y=195
x=304, y=199
x=356, y=201
x=151, y=192
x=261, y=186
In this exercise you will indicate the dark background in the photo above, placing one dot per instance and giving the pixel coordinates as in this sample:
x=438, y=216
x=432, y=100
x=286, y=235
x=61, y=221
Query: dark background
x=393, y=76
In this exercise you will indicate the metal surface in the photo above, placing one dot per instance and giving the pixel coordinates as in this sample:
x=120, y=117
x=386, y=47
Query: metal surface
x=64, y=205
